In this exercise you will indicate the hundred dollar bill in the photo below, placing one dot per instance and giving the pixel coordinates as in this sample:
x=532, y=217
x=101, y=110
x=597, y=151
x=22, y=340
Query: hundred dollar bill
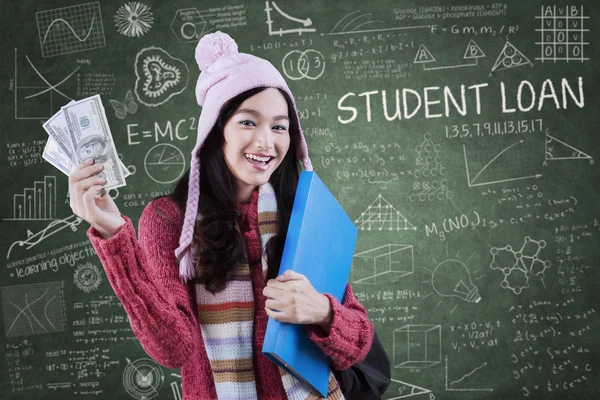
x=91, y=138
x=54, y=154
x=56, y=127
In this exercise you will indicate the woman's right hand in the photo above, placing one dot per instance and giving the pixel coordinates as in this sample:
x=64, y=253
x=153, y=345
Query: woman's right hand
x=90, y=204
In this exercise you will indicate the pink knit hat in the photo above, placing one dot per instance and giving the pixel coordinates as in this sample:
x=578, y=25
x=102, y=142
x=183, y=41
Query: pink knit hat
x=225, y=73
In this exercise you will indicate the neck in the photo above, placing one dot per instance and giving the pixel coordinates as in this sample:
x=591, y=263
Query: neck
x=244, y=194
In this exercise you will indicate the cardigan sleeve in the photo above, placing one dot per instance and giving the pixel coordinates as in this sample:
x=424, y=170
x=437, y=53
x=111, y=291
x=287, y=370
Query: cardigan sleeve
x=351, y=333
x=144, y=276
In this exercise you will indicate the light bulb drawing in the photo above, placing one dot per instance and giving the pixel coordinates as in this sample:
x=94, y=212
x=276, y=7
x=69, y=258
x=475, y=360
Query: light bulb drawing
x=451, y=278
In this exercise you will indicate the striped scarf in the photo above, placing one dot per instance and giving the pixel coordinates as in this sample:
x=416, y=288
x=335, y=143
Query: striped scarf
x=227, y=324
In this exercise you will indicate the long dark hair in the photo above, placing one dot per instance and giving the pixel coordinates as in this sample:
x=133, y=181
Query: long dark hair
x=220, y=245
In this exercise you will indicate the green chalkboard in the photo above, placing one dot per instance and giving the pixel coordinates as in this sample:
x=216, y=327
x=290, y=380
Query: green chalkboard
x=460, y=136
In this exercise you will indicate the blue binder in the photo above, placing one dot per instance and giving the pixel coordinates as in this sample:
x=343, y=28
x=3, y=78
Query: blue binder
x=320, y=245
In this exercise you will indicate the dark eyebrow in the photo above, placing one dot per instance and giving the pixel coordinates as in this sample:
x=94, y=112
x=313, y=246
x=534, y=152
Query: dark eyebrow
x=258, y=115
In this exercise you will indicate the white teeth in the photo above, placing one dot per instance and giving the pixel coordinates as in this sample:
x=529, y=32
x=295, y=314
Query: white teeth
x=257, y=158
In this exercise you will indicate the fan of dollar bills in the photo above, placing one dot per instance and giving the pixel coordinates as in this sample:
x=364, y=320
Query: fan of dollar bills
x=80, y=131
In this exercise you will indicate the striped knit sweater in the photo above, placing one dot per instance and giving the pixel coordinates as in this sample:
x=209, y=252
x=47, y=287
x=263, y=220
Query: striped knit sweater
x=164, y=315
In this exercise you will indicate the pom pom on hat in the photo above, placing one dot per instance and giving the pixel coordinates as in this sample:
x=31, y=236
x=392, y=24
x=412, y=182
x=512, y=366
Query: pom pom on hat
x=213, y=46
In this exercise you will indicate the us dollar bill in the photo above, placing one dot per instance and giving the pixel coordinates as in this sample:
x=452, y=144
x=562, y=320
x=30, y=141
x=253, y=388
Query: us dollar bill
x=90, y=137
x=54, y=154
x=57, y=129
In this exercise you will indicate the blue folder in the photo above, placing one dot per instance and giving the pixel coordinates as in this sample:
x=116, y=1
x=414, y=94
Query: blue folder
x=320, y=245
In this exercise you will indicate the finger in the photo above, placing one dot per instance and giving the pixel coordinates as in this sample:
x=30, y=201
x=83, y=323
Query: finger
x=277, y=315
x=85, y=172
x=273, y=293
x=274, y=304
x=89, y=199
x=272, y=283
x=85, y=184
x=290, y=275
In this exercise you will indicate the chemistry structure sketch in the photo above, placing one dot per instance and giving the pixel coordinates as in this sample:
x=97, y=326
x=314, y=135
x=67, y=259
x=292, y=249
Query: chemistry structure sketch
x=297, y=22
x=520, y=265
x=70, y=29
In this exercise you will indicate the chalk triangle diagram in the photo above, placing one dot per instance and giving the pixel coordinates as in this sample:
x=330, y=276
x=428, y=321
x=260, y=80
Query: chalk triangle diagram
x=510, y=57
x=407, y=389
x=423, y=55
x=559, y=150
x=473, y=51
x=381, y=215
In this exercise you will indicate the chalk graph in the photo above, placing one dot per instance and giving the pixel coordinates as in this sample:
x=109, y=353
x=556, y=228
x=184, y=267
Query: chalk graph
x=33, y=309
x=70, y=29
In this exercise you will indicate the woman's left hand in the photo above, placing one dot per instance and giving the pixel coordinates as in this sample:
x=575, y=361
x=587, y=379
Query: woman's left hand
x=296, y=301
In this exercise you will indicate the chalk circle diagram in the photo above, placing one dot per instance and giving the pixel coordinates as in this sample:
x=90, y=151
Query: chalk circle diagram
x=510, y=57
x=309, y=64
x=87, y=277
x=33, y=309
x=133, y=19
x=559, y=150
x=143, y=378
x=294, y=22
x=164, y=163
x=159, y=76
x=518, y=266
x=70, y=29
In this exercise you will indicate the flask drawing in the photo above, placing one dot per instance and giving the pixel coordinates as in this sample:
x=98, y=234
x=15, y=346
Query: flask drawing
x=451, y=278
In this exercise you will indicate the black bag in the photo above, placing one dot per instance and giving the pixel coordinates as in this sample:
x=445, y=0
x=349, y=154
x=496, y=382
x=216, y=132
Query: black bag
x=368, y=379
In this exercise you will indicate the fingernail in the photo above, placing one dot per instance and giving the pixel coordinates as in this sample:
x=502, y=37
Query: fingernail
x=89, y=161
x=93, y=161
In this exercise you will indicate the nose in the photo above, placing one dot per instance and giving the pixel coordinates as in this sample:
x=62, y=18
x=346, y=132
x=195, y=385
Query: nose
x=263, y=138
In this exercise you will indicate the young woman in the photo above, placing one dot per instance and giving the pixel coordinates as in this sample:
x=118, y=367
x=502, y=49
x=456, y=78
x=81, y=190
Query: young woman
x=201, y=281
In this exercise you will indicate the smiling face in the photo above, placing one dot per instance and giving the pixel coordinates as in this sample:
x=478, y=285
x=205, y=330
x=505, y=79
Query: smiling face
x=257, y=139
